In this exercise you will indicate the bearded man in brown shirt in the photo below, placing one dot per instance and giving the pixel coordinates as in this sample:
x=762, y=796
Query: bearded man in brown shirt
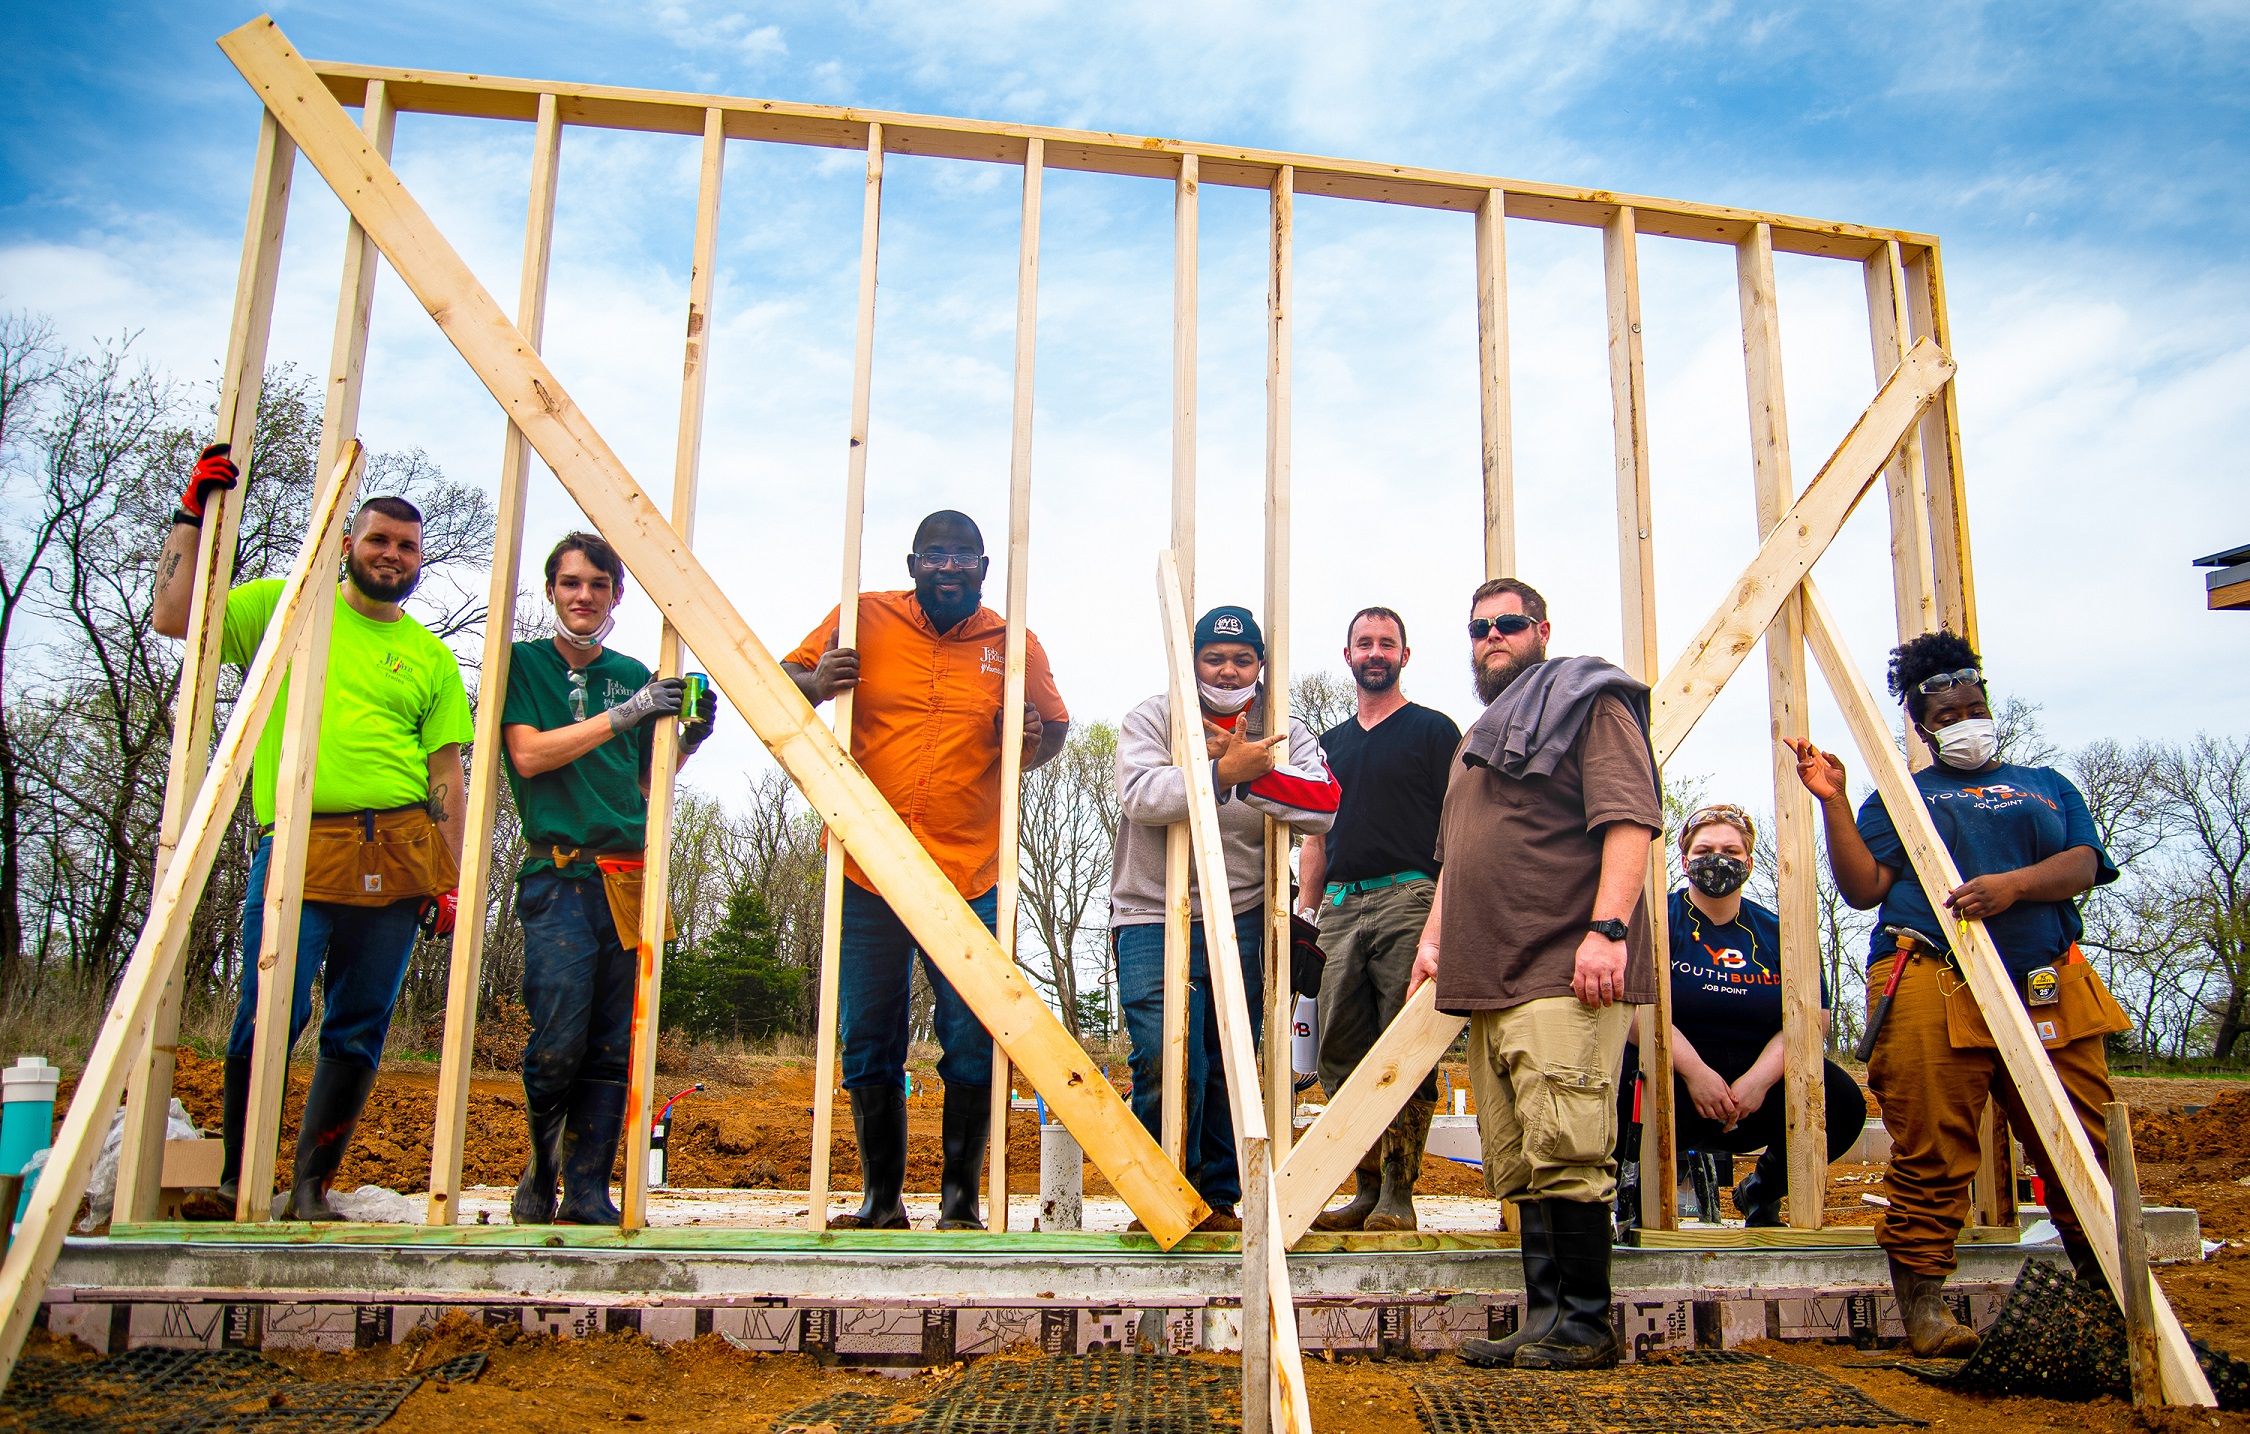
x=1540, y=936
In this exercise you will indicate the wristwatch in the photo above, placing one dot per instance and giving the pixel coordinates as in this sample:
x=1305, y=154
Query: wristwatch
x=1614, y=929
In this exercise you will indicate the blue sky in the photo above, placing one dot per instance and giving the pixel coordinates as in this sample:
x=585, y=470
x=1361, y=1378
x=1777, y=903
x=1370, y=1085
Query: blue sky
x=2083, y=164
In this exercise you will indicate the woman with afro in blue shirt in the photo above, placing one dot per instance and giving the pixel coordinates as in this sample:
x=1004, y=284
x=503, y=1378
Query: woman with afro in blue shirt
x=2027, y=849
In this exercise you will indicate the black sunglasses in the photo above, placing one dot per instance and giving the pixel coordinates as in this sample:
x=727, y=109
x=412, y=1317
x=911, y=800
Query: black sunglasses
x=1507, y=624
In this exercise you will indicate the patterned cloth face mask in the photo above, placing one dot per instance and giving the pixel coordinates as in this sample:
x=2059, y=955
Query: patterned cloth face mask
x=1716, y=874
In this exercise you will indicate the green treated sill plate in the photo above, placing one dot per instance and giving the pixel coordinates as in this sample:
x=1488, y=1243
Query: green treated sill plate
x=716, y=1239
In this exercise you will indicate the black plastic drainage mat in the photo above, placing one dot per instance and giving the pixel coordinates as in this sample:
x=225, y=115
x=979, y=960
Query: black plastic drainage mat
x=1105, y=1393
x=203, y=1391
x=2060, y=1338
x=1722, y=1393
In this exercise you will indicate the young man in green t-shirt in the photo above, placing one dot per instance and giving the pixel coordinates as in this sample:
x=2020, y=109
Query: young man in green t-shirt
x=394, y=717
x=582, y=795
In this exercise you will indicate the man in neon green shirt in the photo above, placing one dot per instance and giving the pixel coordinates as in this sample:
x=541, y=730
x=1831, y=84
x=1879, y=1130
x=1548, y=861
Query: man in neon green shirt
x=393, y=718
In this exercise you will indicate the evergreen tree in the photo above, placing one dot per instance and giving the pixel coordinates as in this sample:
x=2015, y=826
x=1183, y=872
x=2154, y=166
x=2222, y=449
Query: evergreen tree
x=733, y=982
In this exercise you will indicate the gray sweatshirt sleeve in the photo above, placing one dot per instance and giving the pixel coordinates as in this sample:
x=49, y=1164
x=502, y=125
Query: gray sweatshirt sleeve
x=1151, y=790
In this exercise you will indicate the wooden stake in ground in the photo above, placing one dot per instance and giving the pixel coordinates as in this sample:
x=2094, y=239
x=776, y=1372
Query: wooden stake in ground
x=2132, y=1258
x=465, y=977
x=847, y=635
x=945, y=929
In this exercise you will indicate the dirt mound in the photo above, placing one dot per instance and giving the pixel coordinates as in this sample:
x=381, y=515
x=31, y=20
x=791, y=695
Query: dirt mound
x=2220, y=1129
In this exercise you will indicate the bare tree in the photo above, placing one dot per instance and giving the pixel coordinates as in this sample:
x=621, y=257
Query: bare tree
x=1069, y=836
x=1320, y=700
x=2206, y=790
x=31, y=363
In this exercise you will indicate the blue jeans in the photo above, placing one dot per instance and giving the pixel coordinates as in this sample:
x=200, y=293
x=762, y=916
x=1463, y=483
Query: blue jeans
x=1209, y=1128
x=358, y=953
x=877, y=980
x=577, y=987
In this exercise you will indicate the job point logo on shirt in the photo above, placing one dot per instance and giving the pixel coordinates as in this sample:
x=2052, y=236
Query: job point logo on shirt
x=991, y=664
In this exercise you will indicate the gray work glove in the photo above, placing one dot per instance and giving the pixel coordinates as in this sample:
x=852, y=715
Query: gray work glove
x=661, y=698
x=696, y=729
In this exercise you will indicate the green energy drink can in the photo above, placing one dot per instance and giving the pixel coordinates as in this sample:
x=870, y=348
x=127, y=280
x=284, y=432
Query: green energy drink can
x=691, y=695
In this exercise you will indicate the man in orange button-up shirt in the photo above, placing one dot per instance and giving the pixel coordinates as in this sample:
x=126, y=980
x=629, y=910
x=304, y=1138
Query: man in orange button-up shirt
x=926, y=728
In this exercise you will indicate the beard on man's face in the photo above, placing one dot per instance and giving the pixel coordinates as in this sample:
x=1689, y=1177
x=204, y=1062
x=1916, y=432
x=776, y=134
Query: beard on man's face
x=1375, y=674
x=1504, y=667
x=380, y=589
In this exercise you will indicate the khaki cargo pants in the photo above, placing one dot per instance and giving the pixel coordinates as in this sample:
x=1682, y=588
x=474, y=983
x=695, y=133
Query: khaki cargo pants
x=1545, y=1078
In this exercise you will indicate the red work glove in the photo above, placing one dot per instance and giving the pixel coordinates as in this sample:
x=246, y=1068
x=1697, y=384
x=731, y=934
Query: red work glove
x=438, y=913
x=213, y=469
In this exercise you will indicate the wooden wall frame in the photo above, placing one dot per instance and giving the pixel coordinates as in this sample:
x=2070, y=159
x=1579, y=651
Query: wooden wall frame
x=1910, y=432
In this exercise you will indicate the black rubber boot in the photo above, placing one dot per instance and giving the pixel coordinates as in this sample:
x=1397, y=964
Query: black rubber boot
x=1353, y=1215
x=1758, y=1197
x=1931, y=1330
x=968, y=1126
x=234, y=1114
x=1402, y=1166
x=535, y=1192
x=1583, y=1337
x=1542, y=1295
x=879, y=1122
x=592, y=1126
x=2084, y=1263
x=339, y=1093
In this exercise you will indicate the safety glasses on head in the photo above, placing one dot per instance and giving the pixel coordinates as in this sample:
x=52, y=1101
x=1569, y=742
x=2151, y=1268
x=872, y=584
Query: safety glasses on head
x=1942, y=681
x=1507, y=624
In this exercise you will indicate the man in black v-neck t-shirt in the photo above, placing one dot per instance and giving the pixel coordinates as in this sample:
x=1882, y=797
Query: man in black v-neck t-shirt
x=1369, y=883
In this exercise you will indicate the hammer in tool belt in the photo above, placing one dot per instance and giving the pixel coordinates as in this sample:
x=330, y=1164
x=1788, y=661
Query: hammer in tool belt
x=1906, y=944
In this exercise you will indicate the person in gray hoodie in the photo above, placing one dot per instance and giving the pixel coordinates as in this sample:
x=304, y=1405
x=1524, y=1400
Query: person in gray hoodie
x=1284, y=776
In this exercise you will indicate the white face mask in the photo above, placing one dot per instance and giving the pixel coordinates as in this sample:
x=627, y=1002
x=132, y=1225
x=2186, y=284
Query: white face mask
x=1969, y=743
x=1226, y=699
x=590, y=640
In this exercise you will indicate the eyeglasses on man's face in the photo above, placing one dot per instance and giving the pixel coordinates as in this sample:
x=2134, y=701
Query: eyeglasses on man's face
x=949, y=562
x=1507, y=624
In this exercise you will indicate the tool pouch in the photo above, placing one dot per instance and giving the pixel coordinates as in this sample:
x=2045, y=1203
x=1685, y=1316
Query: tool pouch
x=372, y=858
x=623, y=879
x=2082, y=1007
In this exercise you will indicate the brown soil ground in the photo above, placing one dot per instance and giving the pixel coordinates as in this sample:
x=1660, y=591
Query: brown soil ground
x=535, y=1384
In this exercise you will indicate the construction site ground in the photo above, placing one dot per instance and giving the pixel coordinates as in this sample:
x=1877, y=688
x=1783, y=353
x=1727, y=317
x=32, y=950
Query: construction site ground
x=747, y=1134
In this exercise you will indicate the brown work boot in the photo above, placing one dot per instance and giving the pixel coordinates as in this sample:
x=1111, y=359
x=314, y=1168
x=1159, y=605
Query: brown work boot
x=1222, y=1220
x=1402, y=1166
x=1353, y=1215
x=1931, y=1330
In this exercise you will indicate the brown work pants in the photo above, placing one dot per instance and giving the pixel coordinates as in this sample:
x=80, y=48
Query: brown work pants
x=1933, y=1097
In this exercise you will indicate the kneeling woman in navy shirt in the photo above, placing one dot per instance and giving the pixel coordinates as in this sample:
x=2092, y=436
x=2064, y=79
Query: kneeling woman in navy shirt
x=1726, y=1020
